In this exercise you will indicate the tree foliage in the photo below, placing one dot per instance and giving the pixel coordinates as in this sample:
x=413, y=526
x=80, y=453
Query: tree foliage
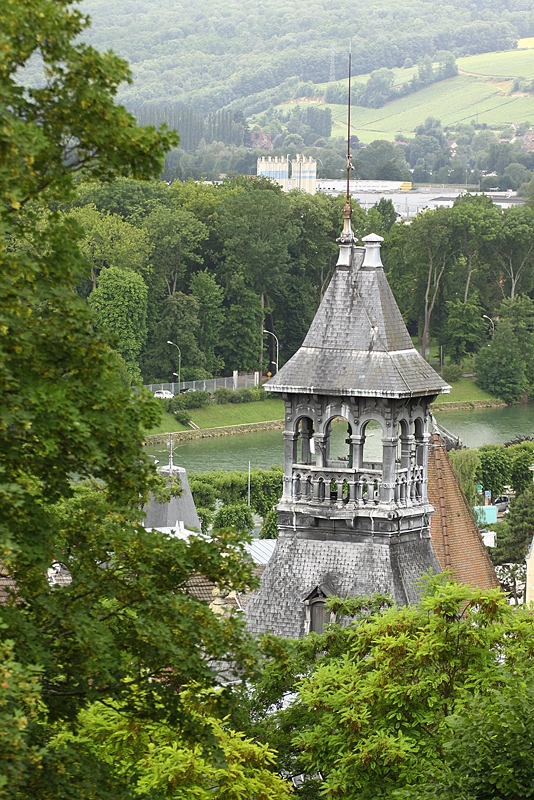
x=95, y=607
x=120, y=303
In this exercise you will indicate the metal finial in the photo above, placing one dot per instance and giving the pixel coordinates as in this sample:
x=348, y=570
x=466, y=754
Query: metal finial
x=349, y=161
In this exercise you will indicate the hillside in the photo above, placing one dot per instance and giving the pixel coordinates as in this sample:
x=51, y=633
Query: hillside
x=211, y=54
x=480, y=91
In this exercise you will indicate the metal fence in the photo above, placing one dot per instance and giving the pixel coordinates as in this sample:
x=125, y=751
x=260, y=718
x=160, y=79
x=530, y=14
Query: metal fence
x=234, y=382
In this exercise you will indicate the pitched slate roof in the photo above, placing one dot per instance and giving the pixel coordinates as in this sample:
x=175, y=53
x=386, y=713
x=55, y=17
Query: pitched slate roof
x=178, y=510
x=358, y=343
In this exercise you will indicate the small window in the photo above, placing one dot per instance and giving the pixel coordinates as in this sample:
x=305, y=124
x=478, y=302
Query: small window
x=317, y=615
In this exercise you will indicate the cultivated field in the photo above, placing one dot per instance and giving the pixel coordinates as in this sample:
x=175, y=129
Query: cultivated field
x=481, y=91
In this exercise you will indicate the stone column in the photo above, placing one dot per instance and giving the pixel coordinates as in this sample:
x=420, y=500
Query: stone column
x=389, y=453
x=320, y=449
x=290, y=446
x=424, y=463
x=406, y=463
x=305, y=435
x=357, y=442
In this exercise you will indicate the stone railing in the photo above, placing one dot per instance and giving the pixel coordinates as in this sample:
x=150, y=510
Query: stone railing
x=343, y=486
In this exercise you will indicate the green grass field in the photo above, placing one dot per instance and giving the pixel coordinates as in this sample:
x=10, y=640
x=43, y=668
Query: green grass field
x=464, y=391
x=217, y=416
x=480, y=91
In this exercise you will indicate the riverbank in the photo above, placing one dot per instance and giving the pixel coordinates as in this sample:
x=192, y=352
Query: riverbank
x=466, y=405
x=209, y=433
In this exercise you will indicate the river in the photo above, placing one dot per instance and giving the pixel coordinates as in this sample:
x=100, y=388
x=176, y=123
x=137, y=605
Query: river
x=263, y=449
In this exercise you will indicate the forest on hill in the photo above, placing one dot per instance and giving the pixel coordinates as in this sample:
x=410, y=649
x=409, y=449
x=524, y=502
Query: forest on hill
x=210, y=55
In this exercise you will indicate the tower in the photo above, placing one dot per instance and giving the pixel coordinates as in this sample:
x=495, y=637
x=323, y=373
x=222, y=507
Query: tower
x=359, y=522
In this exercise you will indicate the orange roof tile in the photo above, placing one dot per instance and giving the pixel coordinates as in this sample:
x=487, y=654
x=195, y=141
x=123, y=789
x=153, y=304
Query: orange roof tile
x=454, y=532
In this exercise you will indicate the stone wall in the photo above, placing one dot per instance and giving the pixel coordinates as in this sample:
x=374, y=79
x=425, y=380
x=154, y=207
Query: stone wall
x=209, y=433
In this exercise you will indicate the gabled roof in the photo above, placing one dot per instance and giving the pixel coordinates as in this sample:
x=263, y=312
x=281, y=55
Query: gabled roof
x=456, y=540
x=358, y=343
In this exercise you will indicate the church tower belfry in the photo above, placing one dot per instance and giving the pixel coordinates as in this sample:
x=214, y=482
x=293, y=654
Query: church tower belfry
x=355, y=522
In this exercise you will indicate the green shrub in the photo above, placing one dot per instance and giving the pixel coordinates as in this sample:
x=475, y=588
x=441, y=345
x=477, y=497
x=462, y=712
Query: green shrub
x=259, y=393
x=223, y=395
x=205, y=516
x=204, y=494
x=232, y=487
x=242, y=396
x=196, y=399
x=182, y=417
x=236, y=515
x=270, y=525
x=451, y=373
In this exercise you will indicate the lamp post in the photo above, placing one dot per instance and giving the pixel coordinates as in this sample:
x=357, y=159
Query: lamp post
x=179, y=363
x=277, y=346
x=485, y=316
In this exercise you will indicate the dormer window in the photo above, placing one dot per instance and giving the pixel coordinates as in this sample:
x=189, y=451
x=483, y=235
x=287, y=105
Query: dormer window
x=316, y=614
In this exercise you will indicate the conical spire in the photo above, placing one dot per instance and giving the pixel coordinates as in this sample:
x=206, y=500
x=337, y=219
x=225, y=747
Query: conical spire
x=358, y=344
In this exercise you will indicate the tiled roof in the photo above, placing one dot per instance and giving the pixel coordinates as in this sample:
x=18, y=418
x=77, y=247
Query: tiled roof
x=456, y=540
x=358, y=343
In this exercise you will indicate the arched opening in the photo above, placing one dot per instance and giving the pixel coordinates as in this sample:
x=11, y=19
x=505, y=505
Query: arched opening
x=372, y=445
x=305, y=445
x=338, y=445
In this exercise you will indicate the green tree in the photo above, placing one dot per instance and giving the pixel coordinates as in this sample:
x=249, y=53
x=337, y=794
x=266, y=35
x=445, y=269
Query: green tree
x=419, y=258
x=501, y=368
x=387, y=211
x=120, y=303
x=363, y=710
x=178, y=322
x=177, y=237
x=476, y=223
x=269, y=528
x=123, y=623
x=489, y=750
x=210, y=297
x=152, y=761
x=234, y=515
x=520, y=522
x=466, y=464
x=522, y=458
x=515, y=248
x=465, y=328
x=493, y=471
x=19, y=704
x=375, y=717
x=110, y=241
x=256, y=229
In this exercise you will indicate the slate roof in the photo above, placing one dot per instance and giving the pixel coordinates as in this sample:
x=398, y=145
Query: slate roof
x=177, y=510
x=351, y=569
x=358, y=343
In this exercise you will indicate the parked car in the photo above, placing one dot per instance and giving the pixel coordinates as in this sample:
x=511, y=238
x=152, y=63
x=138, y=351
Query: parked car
x=163, y=394
x=502, y=502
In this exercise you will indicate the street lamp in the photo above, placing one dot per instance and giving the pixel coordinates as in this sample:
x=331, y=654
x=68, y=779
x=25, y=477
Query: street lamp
x=179, y=363
x=277, y=345
x=485, y=316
